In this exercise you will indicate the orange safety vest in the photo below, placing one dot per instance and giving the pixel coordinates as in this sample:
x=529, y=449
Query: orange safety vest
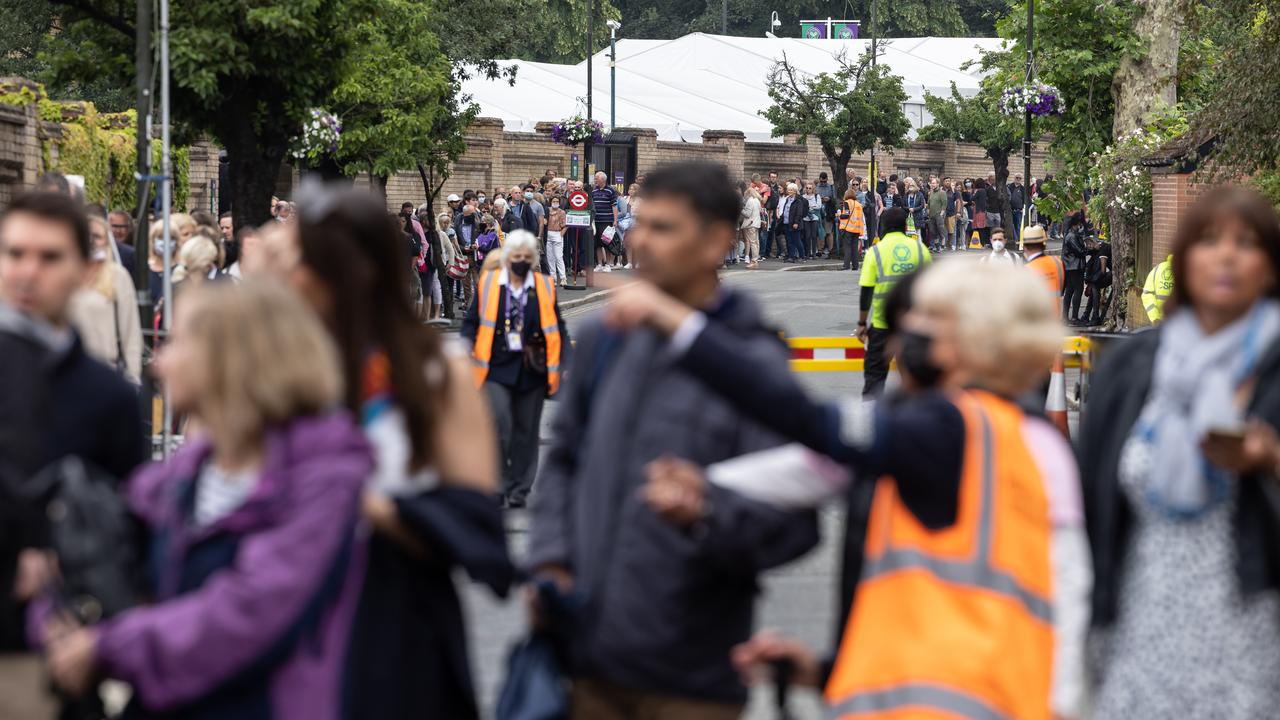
x=490, y=293
x=1051, y=269
x=852, y=220
x=955, y=623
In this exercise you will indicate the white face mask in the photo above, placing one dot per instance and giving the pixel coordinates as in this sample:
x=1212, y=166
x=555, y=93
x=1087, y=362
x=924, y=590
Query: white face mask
x=997, y=245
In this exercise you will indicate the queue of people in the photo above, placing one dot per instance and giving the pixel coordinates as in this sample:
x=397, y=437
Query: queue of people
x=345, y=467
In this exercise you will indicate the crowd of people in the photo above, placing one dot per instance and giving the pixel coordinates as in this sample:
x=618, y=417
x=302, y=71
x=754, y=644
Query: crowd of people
x=345, y=463
x=800, y=220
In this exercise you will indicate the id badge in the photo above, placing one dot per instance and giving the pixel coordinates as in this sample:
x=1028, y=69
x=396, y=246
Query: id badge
x=513, y=342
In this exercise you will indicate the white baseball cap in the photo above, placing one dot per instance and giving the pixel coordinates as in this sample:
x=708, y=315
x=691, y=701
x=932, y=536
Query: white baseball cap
x=453, y=197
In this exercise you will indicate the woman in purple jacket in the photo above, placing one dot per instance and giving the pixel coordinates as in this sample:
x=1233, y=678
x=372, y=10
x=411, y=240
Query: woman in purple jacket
x=255, y=560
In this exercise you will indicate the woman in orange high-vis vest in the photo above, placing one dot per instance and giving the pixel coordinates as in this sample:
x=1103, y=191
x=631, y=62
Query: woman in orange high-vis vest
x=518, y=342
x=853, y=228
x=952, y=617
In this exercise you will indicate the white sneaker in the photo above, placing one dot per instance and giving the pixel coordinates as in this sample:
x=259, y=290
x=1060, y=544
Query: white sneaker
x=599, y=267
x=627, y=266
x=607, y=268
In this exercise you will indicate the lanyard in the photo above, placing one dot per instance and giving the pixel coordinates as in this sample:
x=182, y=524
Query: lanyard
x=515, y=306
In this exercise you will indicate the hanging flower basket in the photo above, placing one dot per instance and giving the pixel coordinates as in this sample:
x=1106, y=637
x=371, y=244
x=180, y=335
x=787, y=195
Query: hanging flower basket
x=1040, y=100
x=577, y=129
x=319, y=137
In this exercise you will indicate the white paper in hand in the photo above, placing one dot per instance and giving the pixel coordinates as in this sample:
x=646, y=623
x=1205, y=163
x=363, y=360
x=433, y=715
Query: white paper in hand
x=791, y=477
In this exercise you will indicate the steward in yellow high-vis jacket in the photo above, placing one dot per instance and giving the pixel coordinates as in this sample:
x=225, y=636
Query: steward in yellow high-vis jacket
x=1157, y=289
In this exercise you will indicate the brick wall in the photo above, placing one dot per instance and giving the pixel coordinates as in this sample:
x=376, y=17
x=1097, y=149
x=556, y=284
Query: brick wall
x=21, y=154
x=1172, y=194
x=204, y=171
x=495, y=158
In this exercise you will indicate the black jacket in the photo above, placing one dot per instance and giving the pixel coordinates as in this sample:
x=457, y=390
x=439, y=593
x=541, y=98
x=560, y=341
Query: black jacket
x=1120, y=387
x=1073, y=252
x=799, y=209
x=507, y=367
x=664, y=606
x=54, y=403
x=1017, y=197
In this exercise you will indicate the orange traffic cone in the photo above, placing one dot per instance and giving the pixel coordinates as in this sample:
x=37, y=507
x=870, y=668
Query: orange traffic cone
x=1055, y=404
x=974, y=242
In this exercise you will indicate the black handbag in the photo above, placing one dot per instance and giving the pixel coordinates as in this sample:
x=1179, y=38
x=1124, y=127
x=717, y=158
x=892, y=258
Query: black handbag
x=92, y=533
x=535, y=352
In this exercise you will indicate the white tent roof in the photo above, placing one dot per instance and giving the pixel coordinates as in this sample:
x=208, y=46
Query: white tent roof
x=712, y=82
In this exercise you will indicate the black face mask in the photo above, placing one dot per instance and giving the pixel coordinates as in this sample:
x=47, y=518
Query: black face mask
x=520, y=268
x=914, y=358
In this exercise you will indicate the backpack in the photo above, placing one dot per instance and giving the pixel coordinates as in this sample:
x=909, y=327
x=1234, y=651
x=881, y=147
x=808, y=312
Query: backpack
x=92, y=532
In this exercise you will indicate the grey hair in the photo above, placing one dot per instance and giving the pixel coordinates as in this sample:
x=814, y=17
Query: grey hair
x=518, y=240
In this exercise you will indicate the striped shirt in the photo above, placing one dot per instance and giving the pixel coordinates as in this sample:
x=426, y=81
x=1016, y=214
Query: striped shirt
x=602, y=203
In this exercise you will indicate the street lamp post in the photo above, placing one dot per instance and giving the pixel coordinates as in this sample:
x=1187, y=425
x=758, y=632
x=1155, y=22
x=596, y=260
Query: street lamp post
x=614, y=26
x=873, y=226
x=1026, y=130
x=591, y=50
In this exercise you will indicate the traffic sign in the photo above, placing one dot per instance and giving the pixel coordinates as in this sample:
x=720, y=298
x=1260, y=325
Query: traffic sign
x=578, y=200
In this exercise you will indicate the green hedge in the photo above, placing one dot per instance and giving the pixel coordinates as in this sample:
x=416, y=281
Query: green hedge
x=102, y=148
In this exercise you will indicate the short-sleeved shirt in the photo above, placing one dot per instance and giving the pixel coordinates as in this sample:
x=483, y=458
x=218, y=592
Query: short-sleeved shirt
x=539, y=212
x=952, y=198
x=602, y=203
x=887, y=262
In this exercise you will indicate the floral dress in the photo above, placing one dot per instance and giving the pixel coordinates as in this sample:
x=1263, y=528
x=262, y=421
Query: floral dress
x=1186, y=643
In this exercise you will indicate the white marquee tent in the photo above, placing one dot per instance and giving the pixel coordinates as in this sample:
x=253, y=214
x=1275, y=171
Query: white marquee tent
x=712, y=82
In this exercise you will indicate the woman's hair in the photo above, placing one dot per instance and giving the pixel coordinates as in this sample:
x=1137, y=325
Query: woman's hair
x=268, y=359
x=443, y=220
x=196, y=258
x=351, y=246
x=850, y=194
x=1228, y=201
x=753, y=193
x=178, y=221
x=792, y=186
x=104, y=279
x=1007, y=326
x=518, y=240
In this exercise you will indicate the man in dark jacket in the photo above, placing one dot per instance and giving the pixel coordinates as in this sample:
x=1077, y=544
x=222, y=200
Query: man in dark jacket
x=776, y=193
x=1017, y=202
x=1073, y=257
x=664, y=605
x=55, y=401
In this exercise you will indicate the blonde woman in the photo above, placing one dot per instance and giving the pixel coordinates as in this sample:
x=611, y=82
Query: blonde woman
x=182, y=227
x=105, y=312
x=197, y=262
x=259, y=591
x=966, y=492
x=749, y=228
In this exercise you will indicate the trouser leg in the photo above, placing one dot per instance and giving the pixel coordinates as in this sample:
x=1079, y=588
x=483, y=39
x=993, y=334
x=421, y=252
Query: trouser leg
x=875, y=364
x=526, y=410
x=503, y=420
x=1071, y=299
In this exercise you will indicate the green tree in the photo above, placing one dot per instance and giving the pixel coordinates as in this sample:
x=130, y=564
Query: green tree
x=978, y=120
x=244, y=72
x=483, y=32
x=398, y=83
x=1079, y=45
x=30, y=31
x=1241, y=114
x=846, y=112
